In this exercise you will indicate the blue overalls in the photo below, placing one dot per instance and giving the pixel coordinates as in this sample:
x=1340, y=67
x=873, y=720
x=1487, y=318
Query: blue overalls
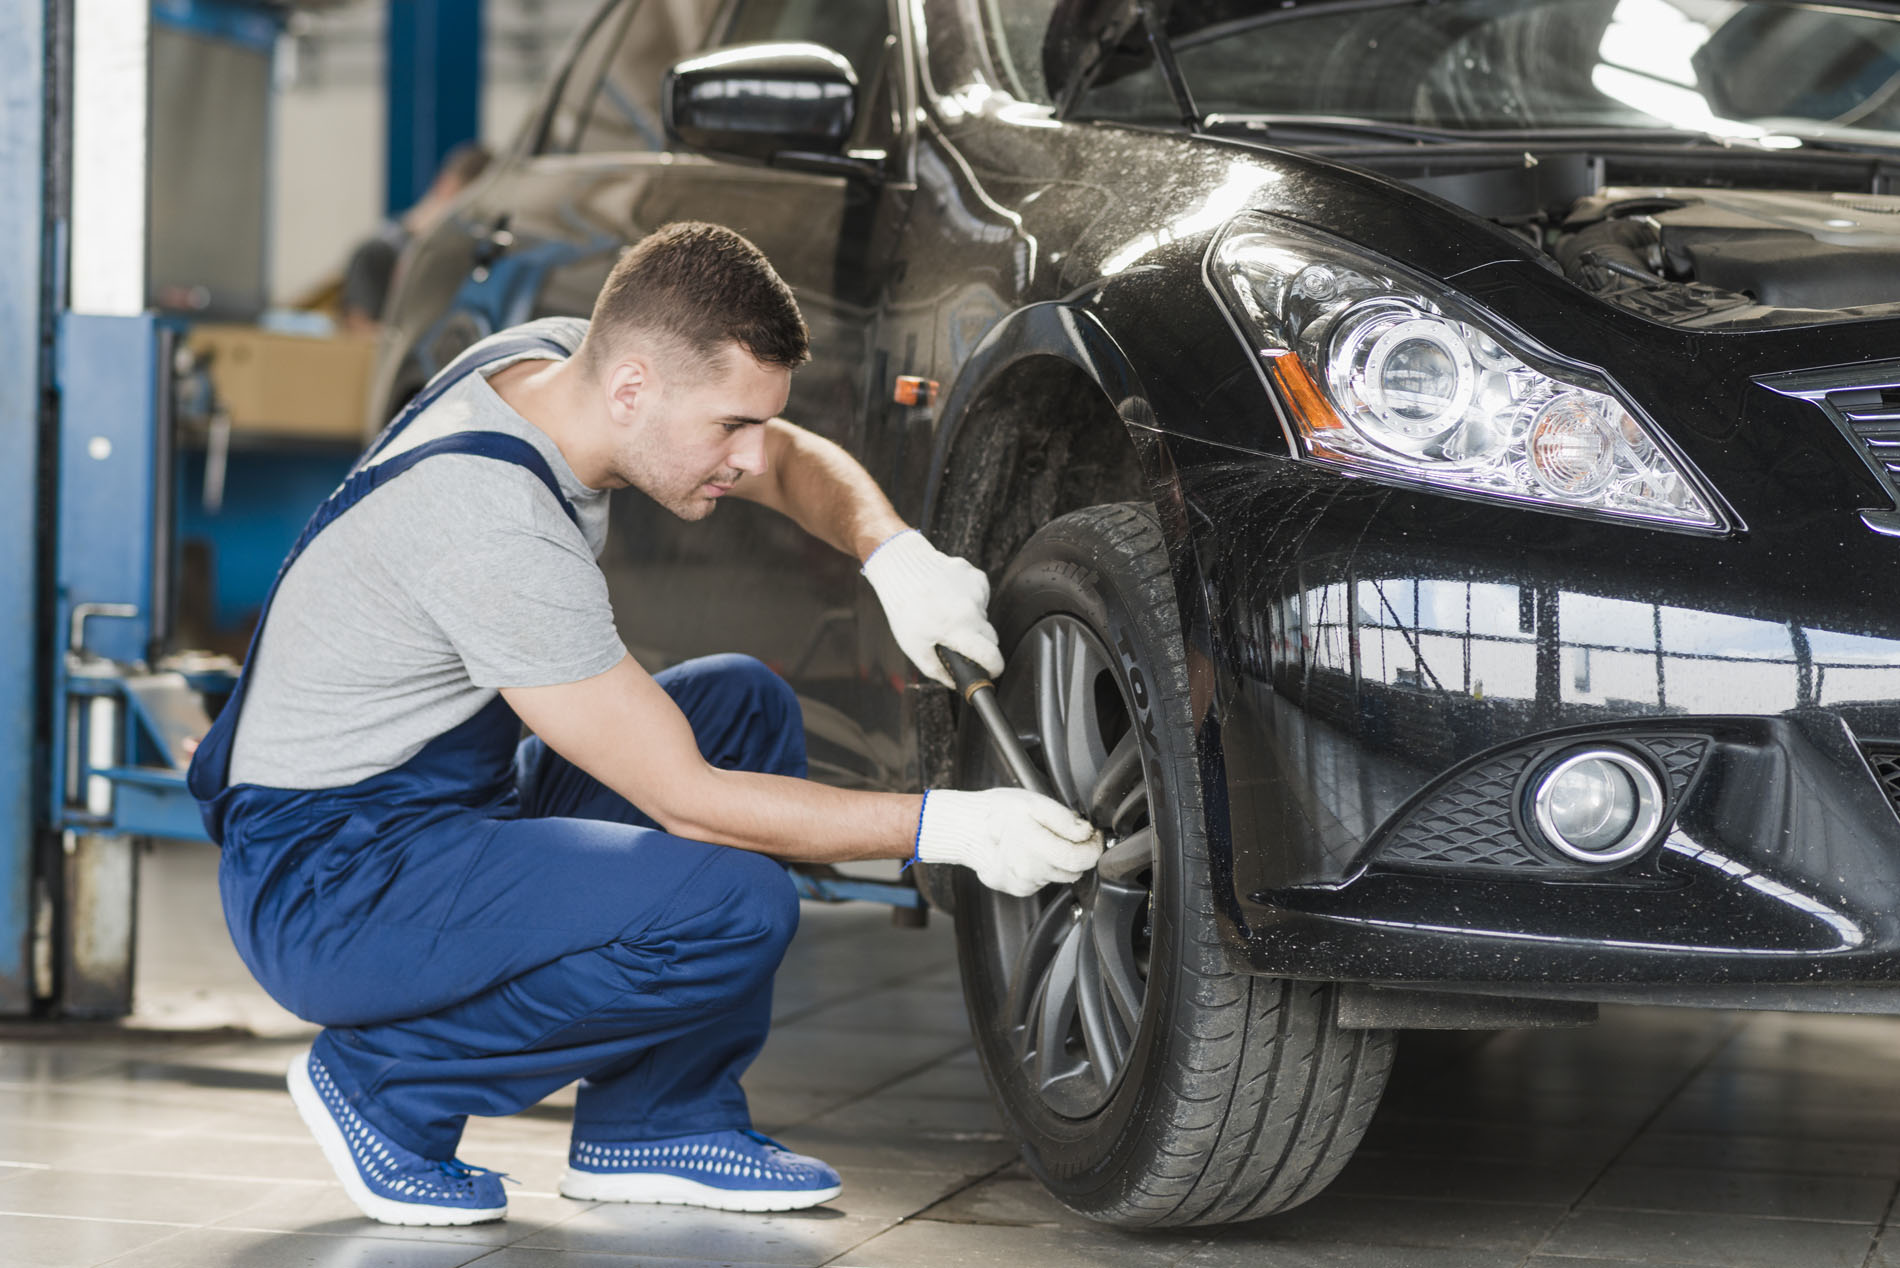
x=487, y=923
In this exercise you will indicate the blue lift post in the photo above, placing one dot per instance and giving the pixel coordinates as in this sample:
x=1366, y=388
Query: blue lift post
x=23, y=254
x=435, y=90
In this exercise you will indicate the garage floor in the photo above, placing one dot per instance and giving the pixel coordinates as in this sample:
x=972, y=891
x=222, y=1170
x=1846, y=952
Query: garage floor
x=1657, y=1137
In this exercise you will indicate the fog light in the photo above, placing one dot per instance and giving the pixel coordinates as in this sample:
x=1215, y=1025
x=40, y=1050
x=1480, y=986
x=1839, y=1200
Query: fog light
x=1599, y=805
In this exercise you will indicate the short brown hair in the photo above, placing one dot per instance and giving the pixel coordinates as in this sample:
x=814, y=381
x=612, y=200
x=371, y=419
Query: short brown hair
x=703, y=286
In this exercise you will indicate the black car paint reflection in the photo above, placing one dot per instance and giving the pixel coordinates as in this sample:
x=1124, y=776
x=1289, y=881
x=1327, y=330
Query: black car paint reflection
x=1353, y=644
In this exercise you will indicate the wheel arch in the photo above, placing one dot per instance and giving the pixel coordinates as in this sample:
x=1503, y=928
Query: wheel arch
x=1049, y=384
x=1053, y=386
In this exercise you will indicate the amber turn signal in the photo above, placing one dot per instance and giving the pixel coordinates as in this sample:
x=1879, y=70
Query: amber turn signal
x=912, y=390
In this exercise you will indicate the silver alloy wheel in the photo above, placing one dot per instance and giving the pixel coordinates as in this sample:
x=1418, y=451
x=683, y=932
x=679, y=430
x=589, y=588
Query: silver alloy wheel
x=1077, y=955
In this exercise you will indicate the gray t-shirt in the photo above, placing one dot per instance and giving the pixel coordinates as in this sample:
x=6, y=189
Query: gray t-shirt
x=403, y=617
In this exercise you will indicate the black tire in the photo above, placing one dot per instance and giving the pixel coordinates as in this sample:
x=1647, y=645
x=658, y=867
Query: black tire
x=1235, y=1096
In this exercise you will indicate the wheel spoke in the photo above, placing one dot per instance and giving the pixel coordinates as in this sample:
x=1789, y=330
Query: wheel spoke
x=1119, y=776
x=1050, y=649
x=1128, y=858
x=1137, y=798
x=1032, y=964
x=1082, y=722
x=1102, y=1036
x=1112, y=930
x=1055, y=1012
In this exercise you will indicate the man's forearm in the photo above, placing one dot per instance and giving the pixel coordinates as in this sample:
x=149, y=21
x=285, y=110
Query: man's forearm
x=801, y=821
x=594, y=724
x=824, y=490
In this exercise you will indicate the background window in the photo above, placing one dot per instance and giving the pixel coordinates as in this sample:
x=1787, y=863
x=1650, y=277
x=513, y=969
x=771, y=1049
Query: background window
x=610, y=101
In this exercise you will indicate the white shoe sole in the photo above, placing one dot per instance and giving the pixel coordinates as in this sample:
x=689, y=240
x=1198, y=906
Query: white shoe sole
x=595, y=1186
x=316, y=1116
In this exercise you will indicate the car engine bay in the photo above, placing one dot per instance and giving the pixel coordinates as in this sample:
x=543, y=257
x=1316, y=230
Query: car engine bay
x=1717, y=257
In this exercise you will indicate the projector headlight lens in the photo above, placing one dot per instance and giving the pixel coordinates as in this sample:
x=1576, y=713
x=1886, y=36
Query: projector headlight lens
x=1599, y=805
x=1388, y=374
x=1406, y=379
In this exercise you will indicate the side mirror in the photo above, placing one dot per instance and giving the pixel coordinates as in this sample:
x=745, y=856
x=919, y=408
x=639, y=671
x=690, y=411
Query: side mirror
x=790, y=104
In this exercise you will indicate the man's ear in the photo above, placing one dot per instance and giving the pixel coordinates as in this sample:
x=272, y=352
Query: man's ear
x=627, y=381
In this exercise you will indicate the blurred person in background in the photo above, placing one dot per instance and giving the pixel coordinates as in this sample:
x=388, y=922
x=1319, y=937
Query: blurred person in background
x=372, y=266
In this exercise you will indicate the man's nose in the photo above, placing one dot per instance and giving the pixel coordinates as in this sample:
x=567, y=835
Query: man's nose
x=749, y=454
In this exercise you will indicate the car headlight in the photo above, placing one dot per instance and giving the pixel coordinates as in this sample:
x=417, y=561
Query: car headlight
x=1383, y=372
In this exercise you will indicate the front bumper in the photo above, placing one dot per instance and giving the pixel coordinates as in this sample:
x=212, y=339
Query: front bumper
x=1384, y=666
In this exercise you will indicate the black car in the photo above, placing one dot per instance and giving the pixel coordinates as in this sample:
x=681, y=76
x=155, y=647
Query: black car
x=1437, y=463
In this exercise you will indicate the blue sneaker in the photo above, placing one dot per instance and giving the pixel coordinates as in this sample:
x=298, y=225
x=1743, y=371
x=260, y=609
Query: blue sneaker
x=387, y=1182
x=730, y=1171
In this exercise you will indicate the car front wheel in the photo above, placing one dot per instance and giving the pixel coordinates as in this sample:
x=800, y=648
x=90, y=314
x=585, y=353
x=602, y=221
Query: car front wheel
x=1147, y=1083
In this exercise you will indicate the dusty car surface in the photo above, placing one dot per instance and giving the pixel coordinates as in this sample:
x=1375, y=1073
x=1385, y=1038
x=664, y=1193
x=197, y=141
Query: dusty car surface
x=1437, y=463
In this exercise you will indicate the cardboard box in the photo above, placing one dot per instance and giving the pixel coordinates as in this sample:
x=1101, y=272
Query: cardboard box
x=289, y=385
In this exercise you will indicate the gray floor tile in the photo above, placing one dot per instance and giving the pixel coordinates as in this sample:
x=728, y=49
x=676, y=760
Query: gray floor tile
x=1847, y=1086
x=1342, y=1217
x=794, y=1238
x=1807, y=1197
x=1013, y=1197
x=322, y=1209
x=38, y=1142
x=58, y=1105
x=893, y=1195
x=155, y=1197
x=229, y=1248
x=1729, y=1152
x=928, y=1244
x=806, y=1055
x=1341, y=1255
x=1566, y=1261
x=51, y=1242
x=777, y=1109
x=1495, y=1142
x=1732, y=1241
x=1873, y=1123
x=528, y=1257
x=920, y=1117
x=1593, y=1113
x=196, y=1154
x=953, y=1079
x=1465, y=1179
x=45, y=1062
x=905, y=1010
x=971, y=1153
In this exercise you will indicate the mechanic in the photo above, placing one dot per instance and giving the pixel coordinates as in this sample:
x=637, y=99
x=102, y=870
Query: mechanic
x=478, y=920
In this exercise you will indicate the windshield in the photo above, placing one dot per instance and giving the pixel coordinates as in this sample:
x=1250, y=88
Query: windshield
x=1723, y=67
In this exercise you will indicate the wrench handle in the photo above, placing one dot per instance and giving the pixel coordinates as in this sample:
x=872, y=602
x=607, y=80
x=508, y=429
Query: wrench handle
x=975, y=686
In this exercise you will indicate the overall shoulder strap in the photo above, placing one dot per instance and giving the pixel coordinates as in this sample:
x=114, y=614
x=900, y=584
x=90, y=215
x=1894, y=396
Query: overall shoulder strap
x=500, y=446
x=454, y=372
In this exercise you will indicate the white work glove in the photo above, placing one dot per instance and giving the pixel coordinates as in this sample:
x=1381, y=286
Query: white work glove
x=930, y=598
x=1014, y=840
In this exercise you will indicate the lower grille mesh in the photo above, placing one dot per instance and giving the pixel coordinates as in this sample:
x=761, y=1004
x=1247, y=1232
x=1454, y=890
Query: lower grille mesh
x=1885, y=759
x=1468, y=822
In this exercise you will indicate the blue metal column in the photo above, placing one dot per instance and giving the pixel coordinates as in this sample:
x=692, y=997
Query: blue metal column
x=23, y=167
x=435, y=90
